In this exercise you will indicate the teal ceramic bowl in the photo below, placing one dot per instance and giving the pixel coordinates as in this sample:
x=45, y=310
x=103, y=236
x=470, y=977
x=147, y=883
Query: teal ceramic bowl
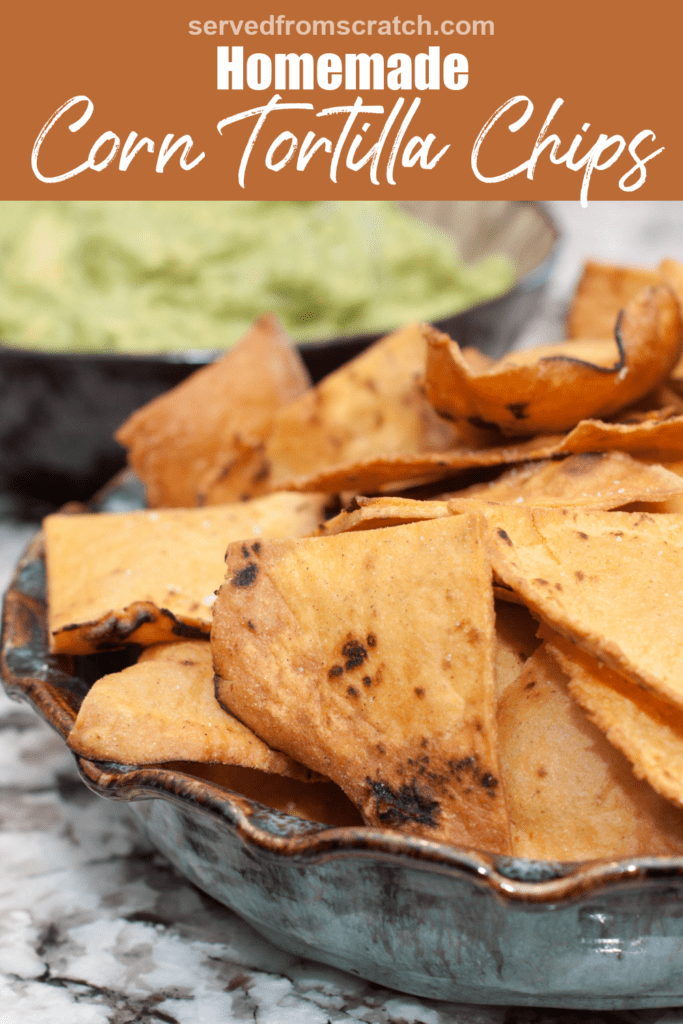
x=429, y=919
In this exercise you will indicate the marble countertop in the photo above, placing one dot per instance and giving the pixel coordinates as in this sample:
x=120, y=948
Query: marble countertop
x=97, y=928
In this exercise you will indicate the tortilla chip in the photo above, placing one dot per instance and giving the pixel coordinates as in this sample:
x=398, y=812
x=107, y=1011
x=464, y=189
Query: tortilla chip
x=551, y=388
x=164, y=709
x=654, y=439
x=208, y=419
x=371, y=406
x=571, y=795
x=648, y=730
x=601, y=294
x=398, y=471
x=313, y=801
x=607, y=581
x=369, y=657
x=149, y=577
x=596, y=480
x=372, y=513
x=516, y=641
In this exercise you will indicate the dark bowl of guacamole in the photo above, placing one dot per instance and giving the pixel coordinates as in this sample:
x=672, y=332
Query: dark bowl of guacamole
x=105, y=305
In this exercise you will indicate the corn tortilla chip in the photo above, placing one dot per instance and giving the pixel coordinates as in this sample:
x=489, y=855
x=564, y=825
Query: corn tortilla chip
x=607, y=581
x=148, y=577
x=516, y=641
x=372, y=513
x=653, y=439
x=564, y=383
x=209, y=419
x=375, y=473
x=164, y=709
x=371, y=406
x=368, y=656
x=597, y=480
x=571, y=795
x=602, y=292
x=647, y=729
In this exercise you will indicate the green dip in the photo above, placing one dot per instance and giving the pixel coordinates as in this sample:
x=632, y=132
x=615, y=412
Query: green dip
x=159, y=276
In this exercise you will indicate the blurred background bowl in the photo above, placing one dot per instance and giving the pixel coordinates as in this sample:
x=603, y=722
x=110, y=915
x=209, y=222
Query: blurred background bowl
x=58, y=410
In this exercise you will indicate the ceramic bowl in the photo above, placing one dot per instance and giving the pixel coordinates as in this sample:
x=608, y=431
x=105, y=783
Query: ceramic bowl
x=58, y=410
x=429, y=919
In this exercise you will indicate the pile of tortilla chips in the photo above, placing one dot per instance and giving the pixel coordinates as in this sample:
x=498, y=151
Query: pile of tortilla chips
x=434, y=593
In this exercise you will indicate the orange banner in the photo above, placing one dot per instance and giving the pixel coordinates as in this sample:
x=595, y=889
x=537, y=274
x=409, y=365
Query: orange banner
x=384, y=100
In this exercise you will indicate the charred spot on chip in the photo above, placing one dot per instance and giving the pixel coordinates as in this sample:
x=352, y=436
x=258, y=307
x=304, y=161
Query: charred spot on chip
x=582, y=535
x=251, y=626
x=504, y=536
x=419, y=692
x=367, y=681
x=352, y=691
x=355, y=654
x=488, y=781
x=404, y=805
x=579, y=575
x=541, y=582
x=245, y=551
x=530, y=686
x=371, y=640
x=464, y=764
x=261, y=473
x=187, y=632
x=246, y=576
x=518, y=409
x=256, y=547
x=336, y=670
x=479, y=423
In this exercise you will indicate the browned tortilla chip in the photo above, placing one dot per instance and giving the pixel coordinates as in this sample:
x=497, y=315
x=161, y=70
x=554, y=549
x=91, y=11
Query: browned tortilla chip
x=164, y=709
x=147, y=577
x=597, y=480
x=647, y=729
x=314, y=801
x=371, y=406
x=373, y=474
x=371, y=513
x=601, y=294
x=516, y=641
x=654, y=440
x=369, y=657
x=570, y=794
x=208, y=420
x=608, y=581
x=550, y=389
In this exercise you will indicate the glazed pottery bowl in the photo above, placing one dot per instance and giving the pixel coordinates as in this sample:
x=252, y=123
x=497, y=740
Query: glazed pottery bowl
x=58, y=410
x=426, y=918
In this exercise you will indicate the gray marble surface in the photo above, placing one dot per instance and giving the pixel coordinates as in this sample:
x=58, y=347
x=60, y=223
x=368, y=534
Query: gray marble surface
x=97, y=928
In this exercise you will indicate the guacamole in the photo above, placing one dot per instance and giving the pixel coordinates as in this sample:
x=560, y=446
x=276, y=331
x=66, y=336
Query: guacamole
x=158, y=276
